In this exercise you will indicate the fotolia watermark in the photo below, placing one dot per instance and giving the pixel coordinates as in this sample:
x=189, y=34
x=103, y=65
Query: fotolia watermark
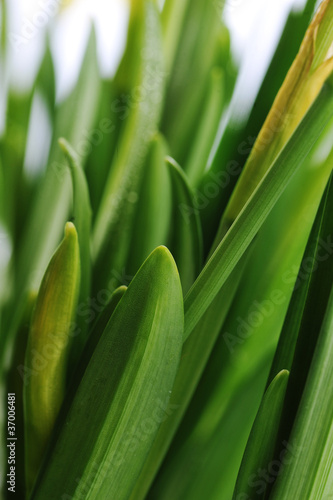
x=48, y=9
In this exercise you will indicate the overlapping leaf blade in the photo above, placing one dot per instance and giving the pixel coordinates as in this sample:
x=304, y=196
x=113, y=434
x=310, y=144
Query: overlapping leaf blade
x=312, y=432
x=256, y=210
x=231, y=387
x=238, y=139
x=153, y=208
x=186, y=234
x=123, y=395
x=195, y=354
x=311, y=293
x=45, y=368
x=304, y=80
x=115, y=218
x=261, y=444
x=51, y=205
x=82, y=218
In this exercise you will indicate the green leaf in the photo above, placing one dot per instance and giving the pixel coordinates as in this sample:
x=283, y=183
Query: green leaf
x=104, y=317
x=303, y=83
x=82, y=219
x=3, y=38
x=115, y=218
x=195, y=355
x=173, y=16
x=95, y=334
x=256, y=210
x=123, y=396
x=13, y=146
x=260, y=447
x=231, y=388
x=307, y=308
x=229, y=371
x=197, y=42
x=81, y=103
x=203, y=465
x=310, y=294
x=47, y=349
x=45, y=81
x=207, y=129
x=238, y=139
x=308, y=471
x=186, y=234
x=103, y=142
x=153, y=212
x=52, y=202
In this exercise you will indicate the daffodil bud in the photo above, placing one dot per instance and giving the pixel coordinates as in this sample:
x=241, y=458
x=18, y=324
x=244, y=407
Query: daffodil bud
x=47, y=349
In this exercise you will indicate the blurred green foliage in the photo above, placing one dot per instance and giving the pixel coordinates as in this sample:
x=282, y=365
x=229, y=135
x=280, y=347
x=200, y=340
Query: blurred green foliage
x=200, y=370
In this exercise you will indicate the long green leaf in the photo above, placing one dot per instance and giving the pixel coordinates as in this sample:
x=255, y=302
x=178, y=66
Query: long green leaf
x=124, y=393
x=115, y=218
x=186, y=234
x=204, y=464
x=207, y=130
x=311, y=294
x=247, y=341
x=173, y=16
x=260, y=447
x=195, y=355
x=313, y=432
x=82, y=218
x=256, y=210
x=51, y=206
x=197, y=42
x=95, y=334
x=44, y=373
x=45, y=81
x=236, y=142
x=307, y=308
x=103, y=140
x=153, y=211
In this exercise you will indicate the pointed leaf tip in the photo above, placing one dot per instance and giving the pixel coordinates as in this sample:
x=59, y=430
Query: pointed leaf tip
x=70, y=230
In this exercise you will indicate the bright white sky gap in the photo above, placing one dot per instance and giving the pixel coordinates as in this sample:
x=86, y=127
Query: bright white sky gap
x=255, y=27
